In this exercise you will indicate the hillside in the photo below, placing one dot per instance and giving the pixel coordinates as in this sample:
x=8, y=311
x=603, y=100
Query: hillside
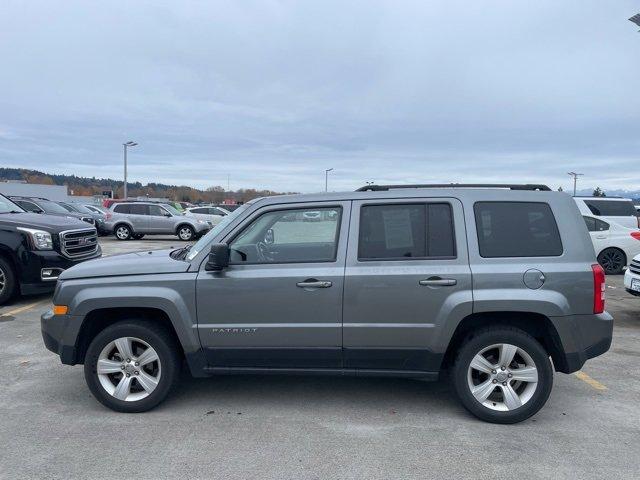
x=95, y=186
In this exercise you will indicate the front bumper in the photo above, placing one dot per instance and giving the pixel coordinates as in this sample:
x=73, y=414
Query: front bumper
x=33, y=262
x=628, y=276
x=581, y=337
x=59, y=333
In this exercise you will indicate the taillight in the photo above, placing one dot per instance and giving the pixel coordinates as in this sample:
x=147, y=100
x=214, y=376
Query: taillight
x=638, y=219
x=598, y=288
x=636, y=235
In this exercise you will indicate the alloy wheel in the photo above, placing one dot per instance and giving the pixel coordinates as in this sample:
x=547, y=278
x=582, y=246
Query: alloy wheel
x=502, y=377
x=3, y=281
x=129, y=369
x=185, y=233
x=611, y=260
x=122, y=233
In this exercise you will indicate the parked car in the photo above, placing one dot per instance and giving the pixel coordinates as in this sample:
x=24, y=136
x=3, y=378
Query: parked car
x=632, y=277
x=384, y=289
x=98, y=216
x=134, y=220
x=48, y=207
x=614, y=244
x=213, y=215
x=35, y=249
x=610, y=209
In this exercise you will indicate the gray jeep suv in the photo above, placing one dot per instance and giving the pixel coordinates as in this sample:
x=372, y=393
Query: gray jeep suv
x=487, y=284
x=134, y=220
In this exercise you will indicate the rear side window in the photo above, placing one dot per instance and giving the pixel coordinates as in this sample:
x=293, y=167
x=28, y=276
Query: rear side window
x=403, y=232
x=611, y=208
x=516, y=229
x=121, y=209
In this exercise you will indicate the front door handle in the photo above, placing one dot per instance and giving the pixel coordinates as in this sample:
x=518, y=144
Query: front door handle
x=313, y=283
x=438, y=282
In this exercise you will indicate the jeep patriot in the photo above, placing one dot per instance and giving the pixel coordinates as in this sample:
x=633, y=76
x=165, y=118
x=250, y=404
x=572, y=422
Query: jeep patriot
x=495, y=285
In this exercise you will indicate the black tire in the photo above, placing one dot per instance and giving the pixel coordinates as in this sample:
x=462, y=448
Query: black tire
x=7, y=281
x=157, y=337
x=487, y=337
x=122, y=232
x=612, y=260
x=185, y=233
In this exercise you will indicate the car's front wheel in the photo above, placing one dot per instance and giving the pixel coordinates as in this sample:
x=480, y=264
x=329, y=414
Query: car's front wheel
x=7, y=282
x=502, y=375
x=132, y=366
x=186, y=233
x=123, y=232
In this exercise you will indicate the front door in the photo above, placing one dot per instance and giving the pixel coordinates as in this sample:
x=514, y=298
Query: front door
x=279, y=303
x=407, y=280
x=160, y=220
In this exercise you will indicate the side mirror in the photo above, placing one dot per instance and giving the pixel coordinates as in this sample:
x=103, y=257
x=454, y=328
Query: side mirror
x=218, y=257
x=269, y=237
x=166, y=214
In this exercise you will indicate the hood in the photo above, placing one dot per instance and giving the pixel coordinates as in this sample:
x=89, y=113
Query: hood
x=50, y=223
x=138, y=263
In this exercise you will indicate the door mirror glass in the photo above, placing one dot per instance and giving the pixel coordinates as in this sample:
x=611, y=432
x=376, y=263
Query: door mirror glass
x=218, y=257
x=269, y=237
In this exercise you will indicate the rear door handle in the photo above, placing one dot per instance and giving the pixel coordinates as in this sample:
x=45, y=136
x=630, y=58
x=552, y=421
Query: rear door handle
x=438, y=282
x=313, y=283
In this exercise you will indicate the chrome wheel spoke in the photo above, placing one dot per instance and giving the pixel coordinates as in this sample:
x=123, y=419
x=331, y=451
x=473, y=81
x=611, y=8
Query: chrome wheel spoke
x=124, y=348
x=511, y=398
x=481, y=364
x=106, y=366
x=482, y=391
x=148, y=356
x=147, y=382
x=525, y=374
x=123, y=388
x=507, y=352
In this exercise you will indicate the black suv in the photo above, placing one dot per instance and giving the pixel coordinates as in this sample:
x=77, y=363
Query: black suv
x=49, y=207
x=35, y=249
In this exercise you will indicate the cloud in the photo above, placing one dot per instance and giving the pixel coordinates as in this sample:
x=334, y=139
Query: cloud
x=273, y=92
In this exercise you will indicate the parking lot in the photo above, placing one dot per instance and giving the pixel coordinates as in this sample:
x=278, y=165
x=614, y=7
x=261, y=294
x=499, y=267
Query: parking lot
x=311, y=427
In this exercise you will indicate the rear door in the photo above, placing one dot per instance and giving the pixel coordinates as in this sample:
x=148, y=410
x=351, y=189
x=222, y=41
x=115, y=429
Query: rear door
x=138, y=216
x=407, y=275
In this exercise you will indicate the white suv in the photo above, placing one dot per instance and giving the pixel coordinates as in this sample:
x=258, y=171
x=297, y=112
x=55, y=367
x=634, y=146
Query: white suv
x=632, y=277
x=619, y=210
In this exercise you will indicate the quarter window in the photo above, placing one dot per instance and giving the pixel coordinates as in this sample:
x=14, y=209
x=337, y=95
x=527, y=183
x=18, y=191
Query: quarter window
x=595, y=225
x=289, y=236
x=406, y=231
x=516, y=229
x=121, y=208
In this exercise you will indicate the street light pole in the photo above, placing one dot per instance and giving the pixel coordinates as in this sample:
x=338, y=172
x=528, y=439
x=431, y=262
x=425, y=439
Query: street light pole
x=575, y=180
x=326, y=179
x=125, y=146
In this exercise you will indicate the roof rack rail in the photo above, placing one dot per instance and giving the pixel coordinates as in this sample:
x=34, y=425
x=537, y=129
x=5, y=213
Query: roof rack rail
x=511, y=186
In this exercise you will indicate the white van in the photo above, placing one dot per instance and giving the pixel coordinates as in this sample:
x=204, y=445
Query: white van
x=609, y=209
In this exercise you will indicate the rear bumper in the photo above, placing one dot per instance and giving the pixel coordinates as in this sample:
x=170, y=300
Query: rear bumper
x=581, y=337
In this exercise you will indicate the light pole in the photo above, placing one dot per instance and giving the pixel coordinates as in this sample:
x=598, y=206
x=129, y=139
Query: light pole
x=326, y=179
x=126, y=145
x=575, y=180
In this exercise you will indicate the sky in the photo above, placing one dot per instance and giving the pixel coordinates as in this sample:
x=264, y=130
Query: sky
x=269, y=94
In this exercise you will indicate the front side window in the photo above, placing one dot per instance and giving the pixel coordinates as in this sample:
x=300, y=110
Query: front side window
x=289, y=236
x=405, y=232
x=157, y=211
x=516, y=229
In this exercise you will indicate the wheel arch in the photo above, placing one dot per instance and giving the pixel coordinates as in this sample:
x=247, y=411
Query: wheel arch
x=537, y=325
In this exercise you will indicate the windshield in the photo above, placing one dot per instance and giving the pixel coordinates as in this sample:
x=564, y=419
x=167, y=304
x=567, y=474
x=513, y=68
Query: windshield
x=51, y=207
x=79, y=208
x=98, y=208
x=7, y=206
x=171, y=209
x=206, y=240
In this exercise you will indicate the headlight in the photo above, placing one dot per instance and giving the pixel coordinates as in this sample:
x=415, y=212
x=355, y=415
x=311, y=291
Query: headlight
x=41, y=240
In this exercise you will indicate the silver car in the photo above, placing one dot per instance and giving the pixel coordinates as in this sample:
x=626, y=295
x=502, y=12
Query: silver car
x=137, y=219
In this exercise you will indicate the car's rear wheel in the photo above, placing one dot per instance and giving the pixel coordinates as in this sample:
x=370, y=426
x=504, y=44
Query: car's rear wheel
x=612, y=260
x=7, y=281
x=122, y=232
x=132, y=366
x=502, y=375
x=186, y=233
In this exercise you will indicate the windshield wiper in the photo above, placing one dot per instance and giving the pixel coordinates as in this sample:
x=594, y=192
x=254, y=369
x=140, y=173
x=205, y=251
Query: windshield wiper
x=180, y=253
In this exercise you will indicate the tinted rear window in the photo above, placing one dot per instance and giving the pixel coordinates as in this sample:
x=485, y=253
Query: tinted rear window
x=411, y=231
x=121, y=209
x=612, y=208
x=517, y=229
